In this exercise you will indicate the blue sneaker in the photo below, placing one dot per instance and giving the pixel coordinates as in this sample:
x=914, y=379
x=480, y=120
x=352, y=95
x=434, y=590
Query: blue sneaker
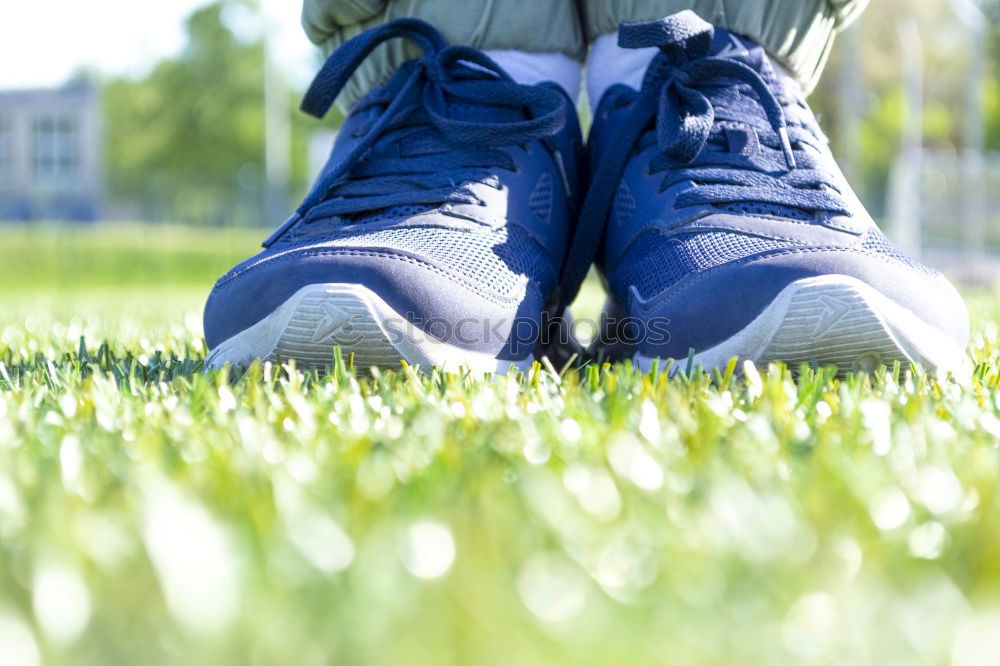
x=435, y=233
x=731, y=232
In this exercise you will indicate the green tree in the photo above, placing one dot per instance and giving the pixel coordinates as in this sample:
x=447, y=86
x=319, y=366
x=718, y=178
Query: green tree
x=186, y=142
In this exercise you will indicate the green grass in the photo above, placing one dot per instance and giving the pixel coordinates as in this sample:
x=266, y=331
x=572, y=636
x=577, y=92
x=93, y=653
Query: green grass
x=153, y=513
x=53, y=258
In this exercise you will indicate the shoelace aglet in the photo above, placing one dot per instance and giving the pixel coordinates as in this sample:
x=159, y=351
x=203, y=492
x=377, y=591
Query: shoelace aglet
x=786, y=146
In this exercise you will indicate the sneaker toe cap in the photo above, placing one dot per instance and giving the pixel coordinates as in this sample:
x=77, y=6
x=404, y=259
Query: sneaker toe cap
x=708, y=307
x=416, y=288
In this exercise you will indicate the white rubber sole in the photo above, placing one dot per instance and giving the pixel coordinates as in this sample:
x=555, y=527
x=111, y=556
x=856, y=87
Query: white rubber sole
x=834, y=319
x=319, y=317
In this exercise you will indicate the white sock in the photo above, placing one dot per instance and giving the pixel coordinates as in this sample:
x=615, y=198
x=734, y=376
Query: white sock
x=609, y=64
x=532, y=68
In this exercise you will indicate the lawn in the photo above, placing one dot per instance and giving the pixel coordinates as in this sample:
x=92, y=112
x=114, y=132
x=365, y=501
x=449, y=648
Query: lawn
x=154, y=513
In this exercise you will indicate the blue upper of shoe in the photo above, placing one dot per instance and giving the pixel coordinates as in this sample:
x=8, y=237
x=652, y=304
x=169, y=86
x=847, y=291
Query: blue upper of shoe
x=718, y=189
x=450, y=192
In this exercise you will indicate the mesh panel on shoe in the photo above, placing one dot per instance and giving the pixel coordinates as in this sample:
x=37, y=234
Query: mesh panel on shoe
x=392, y=213
x=875, y=241
x=540, y=201
x=769, y=210
x=655, y=263
x=495, y=261
x=321, y=228
x=624, y=204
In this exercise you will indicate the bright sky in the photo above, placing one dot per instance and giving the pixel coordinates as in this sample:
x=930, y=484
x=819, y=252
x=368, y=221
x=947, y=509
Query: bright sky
x=42, y=42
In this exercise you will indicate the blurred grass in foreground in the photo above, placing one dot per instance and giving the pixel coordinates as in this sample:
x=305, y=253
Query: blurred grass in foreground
x=152, y=513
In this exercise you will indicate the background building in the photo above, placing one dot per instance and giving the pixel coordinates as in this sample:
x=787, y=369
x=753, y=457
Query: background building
x=50, y=153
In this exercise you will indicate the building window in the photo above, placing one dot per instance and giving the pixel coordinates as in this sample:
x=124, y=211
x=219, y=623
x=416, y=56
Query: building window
x=6, y=152
x=57, y=150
